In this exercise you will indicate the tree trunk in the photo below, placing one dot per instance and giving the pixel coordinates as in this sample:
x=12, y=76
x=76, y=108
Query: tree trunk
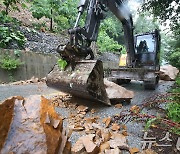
x=51, y=21
x=7, y=9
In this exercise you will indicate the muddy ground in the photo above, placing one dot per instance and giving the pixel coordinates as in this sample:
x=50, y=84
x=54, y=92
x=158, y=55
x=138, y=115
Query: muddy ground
x=135, y=128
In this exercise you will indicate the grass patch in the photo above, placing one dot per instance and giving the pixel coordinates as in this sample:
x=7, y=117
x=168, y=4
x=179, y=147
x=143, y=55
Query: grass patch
x=173, y=108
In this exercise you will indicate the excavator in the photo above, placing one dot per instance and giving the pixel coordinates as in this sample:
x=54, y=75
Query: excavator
x=83, y=76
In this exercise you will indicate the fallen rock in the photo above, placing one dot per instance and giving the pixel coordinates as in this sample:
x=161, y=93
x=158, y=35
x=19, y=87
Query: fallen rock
x=104, y=146
x=93, y=111
x=107, y=121
x=119, y=106
x=135, y=109
x=89, y=144
x=113, y=151
x=124, y=132
x=82, y=108
x=24, y=128
x=115, y=127
x=78, y=147
x=106, y=135
x=148, y=151
x=65, y=147
x=133, y=150
x=85, y=144
x=116, y=92
x=91, y=119
x=118, y=140
x=168, y=73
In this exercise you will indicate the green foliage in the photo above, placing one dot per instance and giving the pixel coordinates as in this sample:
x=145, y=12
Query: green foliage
x=8, y=35
x=4, y=18
x=9, y=63
x=108, y=37
x=67, y=10
x=150, y=122
x=164, y=10
x=175, y=130
x=174, y=58
x=38, y=26
x=63, y=13
x=10, y=3
x=61, y=64
x=105, y=43
x=173, y=110
x=144, y=24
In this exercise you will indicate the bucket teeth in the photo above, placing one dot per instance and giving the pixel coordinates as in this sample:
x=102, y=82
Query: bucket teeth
x=85, y=81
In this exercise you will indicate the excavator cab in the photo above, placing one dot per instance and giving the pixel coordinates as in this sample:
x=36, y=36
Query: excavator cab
x=147, y=50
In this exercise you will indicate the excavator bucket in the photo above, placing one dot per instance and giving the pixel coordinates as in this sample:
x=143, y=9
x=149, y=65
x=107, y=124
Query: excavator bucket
x=85, y=81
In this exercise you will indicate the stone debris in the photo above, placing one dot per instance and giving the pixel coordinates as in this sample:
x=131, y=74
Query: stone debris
x=93, y=111
x=119, y=106
x=113, y=151
x=82, y=108
x=63, y=100
x=118, y=140
x=104, y=146
x=32, y=80
x=89, y=145
x=168, y=73
x=102, y=141
x=107, y=121
x=109, y=138
x=135, y=109
x=65, y=147
x=133, y=150
x=115, y=127
x=124, y=132
x=148, y=151
x=106, y=135
x=116, y=92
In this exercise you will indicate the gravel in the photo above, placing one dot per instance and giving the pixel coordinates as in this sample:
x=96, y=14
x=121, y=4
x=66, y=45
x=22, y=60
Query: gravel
x=42, y=42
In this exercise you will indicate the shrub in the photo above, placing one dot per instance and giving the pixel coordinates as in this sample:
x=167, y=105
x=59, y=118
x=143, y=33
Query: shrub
x=9, y=63
x=174, y=58
x=9, y=35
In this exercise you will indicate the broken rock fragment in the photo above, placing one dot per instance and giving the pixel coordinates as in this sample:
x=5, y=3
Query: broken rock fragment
x=115, y=127
x=118, y=140
x=89, y=145
x=113, y=151
x=104, y=146
x=107, y=121
x=119, y=106
x=116, y=92
x=78, y=147
x=82, y=108
x=25, y=128
x=133, y=150
x=85, y=144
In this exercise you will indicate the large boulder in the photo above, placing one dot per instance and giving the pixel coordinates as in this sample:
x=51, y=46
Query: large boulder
x=168, y=73
x=29, y=125
x=116, y=92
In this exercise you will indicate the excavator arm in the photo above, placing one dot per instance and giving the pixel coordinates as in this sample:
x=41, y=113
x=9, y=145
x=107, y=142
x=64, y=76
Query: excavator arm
x=81, y=37
x=83, y=76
